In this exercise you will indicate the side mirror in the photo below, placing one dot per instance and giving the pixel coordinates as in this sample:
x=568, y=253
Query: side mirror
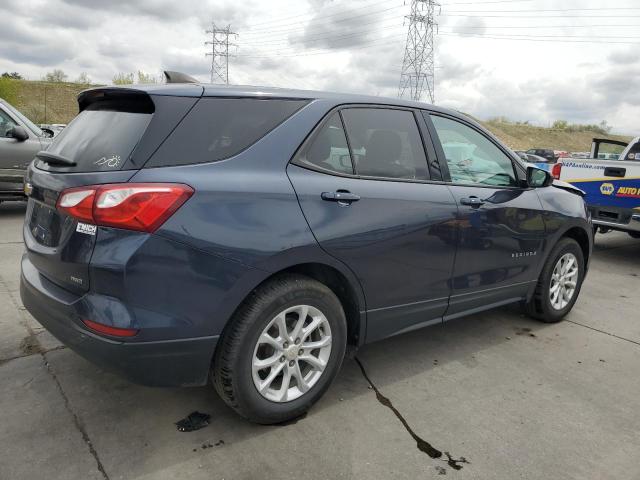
x=537, y=177
x=19, y=133
x=48, y=132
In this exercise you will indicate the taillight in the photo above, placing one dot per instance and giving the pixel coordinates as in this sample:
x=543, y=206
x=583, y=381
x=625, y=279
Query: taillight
x=78, y=202
x=108, y=330
x=556, y=170
x=131, y=206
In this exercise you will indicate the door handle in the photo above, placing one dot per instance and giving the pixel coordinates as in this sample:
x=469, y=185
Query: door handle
x=341, y=196
x=473, y=202
x=615, y=172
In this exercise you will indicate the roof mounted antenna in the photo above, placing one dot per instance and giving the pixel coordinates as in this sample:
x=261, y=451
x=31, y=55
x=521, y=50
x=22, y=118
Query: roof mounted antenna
x=178, y=77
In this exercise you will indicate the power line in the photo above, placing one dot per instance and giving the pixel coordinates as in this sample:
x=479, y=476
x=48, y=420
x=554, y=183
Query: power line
x=482, y=27
x=332, y=37
x=345, y=19
x=309, y=14
x=533, y=39
x=277, y=23
x=491, y=1
x=510, y=35
x=323, y=37
x=548, y=10
x=278, y=36
x=537, y=16
x=417, y=67
x=278, y=54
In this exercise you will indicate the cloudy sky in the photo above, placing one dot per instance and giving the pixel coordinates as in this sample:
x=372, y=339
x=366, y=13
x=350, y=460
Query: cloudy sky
x=536, y=60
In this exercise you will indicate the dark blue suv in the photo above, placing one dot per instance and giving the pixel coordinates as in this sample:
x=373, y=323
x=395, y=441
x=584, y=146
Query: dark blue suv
x=183, y=232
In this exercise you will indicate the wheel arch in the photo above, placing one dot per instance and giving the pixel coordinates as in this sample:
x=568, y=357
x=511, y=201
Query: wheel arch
x=581, y=236
x=348, y=294
x=575, y=232
x=342, y=283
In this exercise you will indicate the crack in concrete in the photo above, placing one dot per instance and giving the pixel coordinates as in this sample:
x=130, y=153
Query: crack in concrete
x=423, y=445
x=26, y=355
x=602, y=331
x=76, y=419
x=31, y=346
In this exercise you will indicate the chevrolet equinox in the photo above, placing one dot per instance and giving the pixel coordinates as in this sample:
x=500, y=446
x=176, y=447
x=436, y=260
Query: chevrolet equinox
x=184, y=233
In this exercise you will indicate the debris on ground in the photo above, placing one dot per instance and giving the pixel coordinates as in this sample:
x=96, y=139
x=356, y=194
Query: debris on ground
x=194, y=421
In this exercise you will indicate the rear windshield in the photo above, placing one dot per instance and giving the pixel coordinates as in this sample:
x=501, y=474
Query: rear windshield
x=99, y=140
x=219, y=128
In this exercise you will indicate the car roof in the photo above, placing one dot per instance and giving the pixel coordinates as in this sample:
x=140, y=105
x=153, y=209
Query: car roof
x=244, y=91
x=214, y=90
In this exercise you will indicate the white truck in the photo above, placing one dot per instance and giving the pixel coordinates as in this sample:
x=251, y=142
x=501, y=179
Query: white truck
x=612, y=187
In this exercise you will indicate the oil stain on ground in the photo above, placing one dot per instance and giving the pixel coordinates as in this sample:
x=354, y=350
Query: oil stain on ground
x=422, y=444
x=30, y=345
x=524, y=331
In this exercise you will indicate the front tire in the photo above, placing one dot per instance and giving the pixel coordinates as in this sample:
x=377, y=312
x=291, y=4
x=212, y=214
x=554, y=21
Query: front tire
x=559, y=283
x=281, y=350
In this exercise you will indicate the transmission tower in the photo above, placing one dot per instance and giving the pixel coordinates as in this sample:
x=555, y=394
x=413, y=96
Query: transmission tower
x=417, y=66
x=219, y=52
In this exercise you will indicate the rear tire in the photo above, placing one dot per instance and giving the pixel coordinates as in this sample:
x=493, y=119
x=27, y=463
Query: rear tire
x=634, y=235
x=266, y=331
x=559, y=283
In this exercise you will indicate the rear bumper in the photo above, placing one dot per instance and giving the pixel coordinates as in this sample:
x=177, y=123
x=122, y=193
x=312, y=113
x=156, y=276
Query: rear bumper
x=167, y=363
x=626, y=220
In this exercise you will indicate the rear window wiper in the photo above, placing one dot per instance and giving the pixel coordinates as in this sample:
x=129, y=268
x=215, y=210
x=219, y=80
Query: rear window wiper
x=55, y=159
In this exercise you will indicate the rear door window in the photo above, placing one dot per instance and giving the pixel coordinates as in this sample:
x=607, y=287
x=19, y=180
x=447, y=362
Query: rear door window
x=385, y=143
x=219, y=128
x=100, y=140
x=328, y=150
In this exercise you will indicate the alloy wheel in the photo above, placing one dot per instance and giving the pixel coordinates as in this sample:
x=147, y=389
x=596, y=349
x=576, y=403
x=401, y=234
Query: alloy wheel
x=292, y=353
x=564, y=281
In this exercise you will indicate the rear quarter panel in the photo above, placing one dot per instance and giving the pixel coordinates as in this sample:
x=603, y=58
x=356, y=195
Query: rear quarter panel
x=244, y=212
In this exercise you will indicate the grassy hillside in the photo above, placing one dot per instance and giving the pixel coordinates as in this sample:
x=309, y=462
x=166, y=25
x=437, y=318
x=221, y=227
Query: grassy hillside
x=43, y=102
x=523, y=137
x=46, y=102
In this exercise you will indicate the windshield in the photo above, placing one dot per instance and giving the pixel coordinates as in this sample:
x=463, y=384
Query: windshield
x=28, y=123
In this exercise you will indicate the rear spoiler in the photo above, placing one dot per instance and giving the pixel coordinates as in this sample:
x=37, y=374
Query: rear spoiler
x=117, y=98
x=138, y=95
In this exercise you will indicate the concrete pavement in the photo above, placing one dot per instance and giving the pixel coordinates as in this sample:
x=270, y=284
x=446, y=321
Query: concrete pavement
x=515, y=398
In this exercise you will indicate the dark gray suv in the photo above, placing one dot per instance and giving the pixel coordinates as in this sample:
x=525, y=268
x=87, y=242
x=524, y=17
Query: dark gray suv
x=186, y=232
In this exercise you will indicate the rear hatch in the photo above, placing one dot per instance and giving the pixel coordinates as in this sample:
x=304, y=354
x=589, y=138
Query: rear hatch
x=114, y=134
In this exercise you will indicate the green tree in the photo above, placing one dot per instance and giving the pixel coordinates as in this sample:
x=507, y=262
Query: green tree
x=83, y=78
x=56, y=75
x=123, y=79
x=146, y=77
x=560, y=125
x=12, y=75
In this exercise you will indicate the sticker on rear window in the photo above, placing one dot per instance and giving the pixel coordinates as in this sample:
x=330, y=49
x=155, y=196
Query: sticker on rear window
x=86, y=228
x=112, y=161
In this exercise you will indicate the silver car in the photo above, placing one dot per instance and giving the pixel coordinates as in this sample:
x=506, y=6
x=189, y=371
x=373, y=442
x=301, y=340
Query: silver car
x=20, y=140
